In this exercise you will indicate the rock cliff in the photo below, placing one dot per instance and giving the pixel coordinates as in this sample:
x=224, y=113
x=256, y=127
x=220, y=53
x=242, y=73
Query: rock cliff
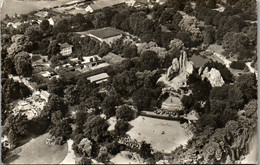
x=213, y=76
x=179, y=67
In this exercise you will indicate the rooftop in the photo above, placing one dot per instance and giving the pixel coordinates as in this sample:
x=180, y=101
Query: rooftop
x=105, y=3
x=98, y=77
x=105, y=32
x=65, y=45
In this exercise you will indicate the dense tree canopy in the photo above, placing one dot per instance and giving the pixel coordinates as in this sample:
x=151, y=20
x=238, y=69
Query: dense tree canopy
x=23, y=64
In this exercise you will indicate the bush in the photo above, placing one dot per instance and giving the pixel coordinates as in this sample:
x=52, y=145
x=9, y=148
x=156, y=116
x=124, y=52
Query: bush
x=238, y=65
x=125, y=113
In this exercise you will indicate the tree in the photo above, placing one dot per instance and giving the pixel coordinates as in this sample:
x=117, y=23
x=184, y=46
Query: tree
x=78, y=19
x=15, y=127
x=208, y=35
x=53, y=49
x=100, y=20
x=124, y=82
x=85, y=161
x=187, y=101
x=225, y=98
x=71, y=95
x=8, y=66
x=95, y=126
x=55, y=86
x=233, y=42
x=56, y=117
x=63, y=26
x=150, y=60
x=55, y=103
x=146, y=150
x=125, y=113
x=238, y=65
x=43, y=44
x=34, y=33
x=136, y=22
x=247, y=83
x=117, y=20
x=167, y=16
x=62, y=129
x=191, y=25
x=142, y=99
x=12, y=90
x=122, y=127
x=44, y=25
x=23, y=64
x=55, y=60
x=130, y=51
x=104, y=49
x=188, y=9
x=109, y=104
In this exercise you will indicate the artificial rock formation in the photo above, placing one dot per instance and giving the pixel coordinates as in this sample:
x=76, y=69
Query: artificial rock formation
x=173, y=70
x=213, y=76
x=174, y=79
x=181, y=66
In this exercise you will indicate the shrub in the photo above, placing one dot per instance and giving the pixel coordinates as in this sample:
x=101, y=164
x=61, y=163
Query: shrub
x=238, y=65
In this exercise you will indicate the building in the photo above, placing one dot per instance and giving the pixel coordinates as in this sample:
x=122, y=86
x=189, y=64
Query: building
x=14, y=25
x=98, y=5
x=161, y=2
x=65, y=49
x=99, y=78
x=45, y=95
x=51, y=21
x=107, y=34
x=42, y=14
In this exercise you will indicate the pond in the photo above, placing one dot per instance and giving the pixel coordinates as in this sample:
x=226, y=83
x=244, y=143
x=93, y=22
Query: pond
x=198, y=61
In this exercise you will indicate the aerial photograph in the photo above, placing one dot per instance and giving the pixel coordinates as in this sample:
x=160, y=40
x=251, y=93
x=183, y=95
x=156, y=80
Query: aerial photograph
x=129, y=82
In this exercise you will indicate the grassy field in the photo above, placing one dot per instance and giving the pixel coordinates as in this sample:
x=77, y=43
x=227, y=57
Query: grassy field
x=11, y=7
x=163, y=135
x=37, y=152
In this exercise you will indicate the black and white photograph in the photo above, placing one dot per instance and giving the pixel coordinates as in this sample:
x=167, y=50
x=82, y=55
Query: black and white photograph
x=129, y=82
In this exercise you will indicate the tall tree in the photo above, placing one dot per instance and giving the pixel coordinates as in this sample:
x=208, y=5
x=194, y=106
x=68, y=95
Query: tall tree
x=23, y=64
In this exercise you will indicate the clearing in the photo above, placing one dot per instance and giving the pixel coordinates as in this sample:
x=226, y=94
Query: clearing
x=11, y=7
x=163, y=135
x=36, y=151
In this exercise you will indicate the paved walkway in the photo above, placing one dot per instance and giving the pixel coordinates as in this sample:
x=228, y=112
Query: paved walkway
x=70, y=158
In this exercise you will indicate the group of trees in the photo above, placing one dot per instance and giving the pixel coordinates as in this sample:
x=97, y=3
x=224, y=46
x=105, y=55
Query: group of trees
x=12, y=90
x=222, y=145
x=220, y=123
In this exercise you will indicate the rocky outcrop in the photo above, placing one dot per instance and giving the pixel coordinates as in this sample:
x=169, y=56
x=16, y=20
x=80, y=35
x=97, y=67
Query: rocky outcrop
x=173, y=70
x=181, y=66
x=213, y=76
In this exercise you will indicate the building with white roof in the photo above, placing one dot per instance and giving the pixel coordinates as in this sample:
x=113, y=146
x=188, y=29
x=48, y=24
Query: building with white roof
x=99, y=78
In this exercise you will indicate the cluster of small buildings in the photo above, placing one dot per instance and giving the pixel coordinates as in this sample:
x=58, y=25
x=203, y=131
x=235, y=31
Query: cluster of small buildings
x=86, y=64
x=100, y=4
x=32, y=106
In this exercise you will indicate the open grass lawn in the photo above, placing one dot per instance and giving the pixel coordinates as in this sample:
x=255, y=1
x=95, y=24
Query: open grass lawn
x=11, y=7
x=37, y=152
x=163, y=135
